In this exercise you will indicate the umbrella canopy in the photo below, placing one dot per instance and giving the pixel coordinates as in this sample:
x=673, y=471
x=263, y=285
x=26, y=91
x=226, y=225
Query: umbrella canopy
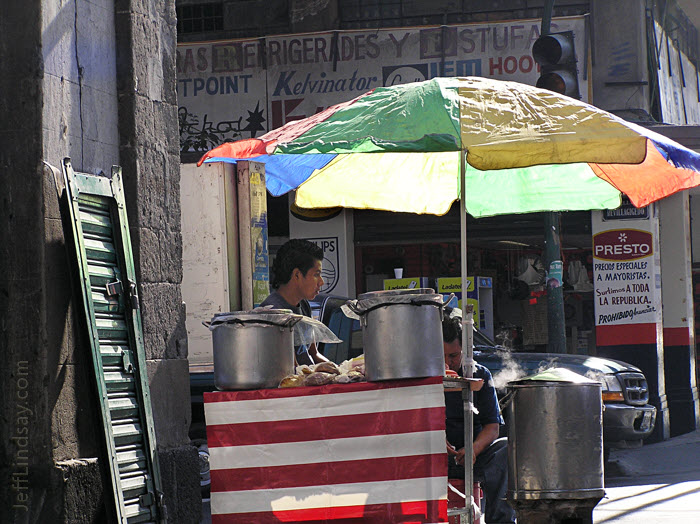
x=506, y=147
x=527, y=150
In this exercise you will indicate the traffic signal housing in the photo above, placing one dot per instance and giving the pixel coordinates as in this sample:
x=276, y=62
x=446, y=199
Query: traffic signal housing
x=556, y=56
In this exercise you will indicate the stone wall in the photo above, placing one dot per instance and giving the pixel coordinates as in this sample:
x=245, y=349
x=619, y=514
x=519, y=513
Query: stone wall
x=94, y=81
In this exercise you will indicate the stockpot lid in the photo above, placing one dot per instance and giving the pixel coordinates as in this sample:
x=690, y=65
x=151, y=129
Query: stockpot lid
x=395, y=292
x=554, y=377
x=275, y=317
x=390, y=297
x=306, y=330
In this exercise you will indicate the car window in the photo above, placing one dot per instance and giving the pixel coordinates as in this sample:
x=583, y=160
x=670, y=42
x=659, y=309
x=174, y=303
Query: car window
x=482, y=340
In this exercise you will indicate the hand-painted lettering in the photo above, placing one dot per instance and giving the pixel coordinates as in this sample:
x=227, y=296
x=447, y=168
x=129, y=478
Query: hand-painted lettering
x=399, y=43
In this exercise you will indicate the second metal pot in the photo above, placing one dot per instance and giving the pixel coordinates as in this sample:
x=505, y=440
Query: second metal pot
x=403, y=340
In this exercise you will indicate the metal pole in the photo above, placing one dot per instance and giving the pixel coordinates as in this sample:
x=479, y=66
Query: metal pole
x=467, y=347
x=547, y=16
x=556, y=324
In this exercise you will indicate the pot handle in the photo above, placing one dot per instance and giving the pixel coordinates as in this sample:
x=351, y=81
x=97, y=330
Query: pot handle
x=290, y=322
x=352, y=306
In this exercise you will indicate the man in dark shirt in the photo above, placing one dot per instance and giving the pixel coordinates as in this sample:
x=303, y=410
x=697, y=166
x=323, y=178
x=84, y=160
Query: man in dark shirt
x=296, y=280
x=490, y=457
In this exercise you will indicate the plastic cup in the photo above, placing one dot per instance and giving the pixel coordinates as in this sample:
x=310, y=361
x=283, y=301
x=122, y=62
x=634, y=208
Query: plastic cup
x=398, y=272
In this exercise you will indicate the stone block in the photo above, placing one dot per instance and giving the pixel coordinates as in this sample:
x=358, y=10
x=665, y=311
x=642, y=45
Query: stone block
x=152, y=40
x=58, y=40
x=99, y=157
x=61, y=115
x=65, y=328
x=169, y=59
x=146, y=196
x=179, y=469
x=171, y=259
x=163, y=315
x=52, y=210
x=82, y=493
x=160, y=255
x=149, y=255
x=95, y=47
x=170, y=401
x=76, y=417
x=99, y=116
x=126, y=81
x=81, y=488
x=172, y=127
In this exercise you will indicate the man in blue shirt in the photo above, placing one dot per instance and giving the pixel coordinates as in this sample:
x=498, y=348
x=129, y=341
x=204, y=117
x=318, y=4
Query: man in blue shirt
x=490, y=456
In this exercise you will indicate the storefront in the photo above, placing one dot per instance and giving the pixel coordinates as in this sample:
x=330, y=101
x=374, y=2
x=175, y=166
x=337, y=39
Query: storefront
x=505, y=250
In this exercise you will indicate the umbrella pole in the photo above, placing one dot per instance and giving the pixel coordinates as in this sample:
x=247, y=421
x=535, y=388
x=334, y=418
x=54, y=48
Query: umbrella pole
x=467, y=346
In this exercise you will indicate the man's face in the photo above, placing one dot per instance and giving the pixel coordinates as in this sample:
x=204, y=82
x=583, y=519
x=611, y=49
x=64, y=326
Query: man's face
x=311, y=283
x=453, y=354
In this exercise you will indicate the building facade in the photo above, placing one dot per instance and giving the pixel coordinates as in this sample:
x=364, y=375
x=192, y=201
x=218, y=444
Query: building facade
x=241, y=73
x=93, y=81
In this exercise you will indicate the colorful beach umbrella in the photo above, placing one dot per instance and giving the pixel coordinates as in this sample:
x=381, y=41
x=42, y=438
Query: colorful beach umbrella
x=506, y=147
x=527, y=150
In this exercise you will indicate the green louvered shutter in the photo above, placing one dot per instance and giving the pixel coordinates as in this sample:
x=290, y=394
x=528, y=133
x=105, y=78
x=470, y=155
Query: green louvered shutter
x=94, y=207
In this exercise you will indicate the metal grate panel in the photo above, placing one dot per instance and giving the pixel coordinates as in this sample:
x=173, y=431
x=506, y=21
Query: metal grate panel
x=95, y=209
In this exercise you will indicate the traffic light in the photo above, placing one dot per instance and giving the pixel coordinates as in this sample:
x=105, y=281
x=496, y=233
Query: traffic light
x=556, y=57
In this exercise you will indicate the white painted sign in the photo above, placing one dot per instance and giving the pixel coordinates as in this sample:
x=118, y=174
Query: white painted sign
x=626, y=273
x=241, y=88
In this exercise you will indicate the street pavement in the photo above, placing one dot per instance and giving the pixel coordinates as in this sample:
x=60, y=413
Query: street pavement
x=657, y=483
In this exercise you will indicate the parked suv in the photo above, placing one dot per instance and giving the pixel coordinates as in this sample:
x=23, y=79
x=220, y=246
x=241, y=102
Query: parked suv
x=627, y=416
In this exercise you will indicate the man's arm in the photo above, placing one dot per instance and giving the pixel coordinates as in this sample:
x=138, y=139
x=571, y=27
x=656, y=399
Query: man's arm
x=315, y=355
x=484, y=439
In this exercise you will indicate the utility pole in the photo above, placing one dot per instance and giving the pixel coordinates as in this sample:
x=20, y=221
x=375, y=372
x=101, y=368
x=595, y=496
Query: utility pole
x=556, y=325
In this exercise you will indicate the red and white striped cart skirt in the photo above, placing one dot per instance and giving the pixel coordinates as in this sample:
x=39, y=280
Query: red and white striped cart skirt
x=363, y=452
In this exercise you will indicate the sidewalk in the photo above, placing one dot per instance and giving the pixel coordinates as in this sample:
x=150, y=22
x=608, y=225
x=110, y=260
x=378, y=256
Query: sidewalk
x=676, y=456
x=655, y=484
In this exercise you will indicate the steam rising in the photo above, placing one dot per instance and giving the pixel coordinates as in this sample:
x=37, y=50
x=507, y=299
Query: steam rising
x=511, y=371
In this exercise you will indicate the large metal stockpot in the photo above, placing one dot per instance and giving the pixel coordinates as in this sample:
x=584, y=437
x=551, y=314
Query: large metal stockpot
x=253, y=349
x=402, y=333
x=555, y=441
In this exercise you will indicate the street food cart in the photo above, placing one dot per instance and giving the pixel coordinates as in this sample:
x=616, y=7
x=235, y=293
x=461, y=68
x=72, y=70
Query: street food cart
x=371, y=451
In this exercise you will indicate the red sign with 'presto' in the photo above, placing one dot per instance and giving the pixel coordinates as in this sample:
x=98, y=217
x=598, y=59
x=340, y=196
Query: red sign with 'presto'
x=622, y=244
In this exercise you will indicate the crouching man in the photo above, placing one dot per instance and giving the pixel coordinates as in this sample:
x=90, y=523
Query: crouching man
x=490, y=457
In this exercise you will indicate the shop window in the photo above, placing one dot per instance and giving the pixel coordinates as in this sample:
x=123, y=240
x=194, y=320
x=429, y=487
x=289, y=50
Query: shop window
x=200, y=18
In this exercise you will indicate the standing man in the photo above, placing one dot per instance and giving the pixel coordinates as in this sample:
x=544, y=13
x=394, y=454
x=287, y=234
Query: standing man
x=297, y=279
x=490, y=457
